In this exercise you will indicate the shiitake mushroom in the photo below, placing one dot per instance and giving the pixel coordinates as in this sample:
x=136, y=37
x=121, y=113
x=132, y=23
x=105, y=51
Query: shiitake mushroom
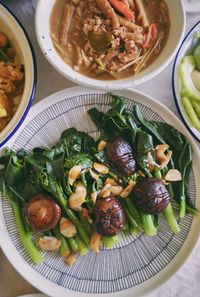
x=150, y=195
x=109, y=216
x=42, y=212
x=120, y=154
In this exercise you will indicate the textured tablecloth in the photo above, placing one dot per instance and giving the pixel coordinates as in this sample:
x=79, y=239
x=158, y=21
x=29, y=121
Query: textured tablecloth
x=186, y=283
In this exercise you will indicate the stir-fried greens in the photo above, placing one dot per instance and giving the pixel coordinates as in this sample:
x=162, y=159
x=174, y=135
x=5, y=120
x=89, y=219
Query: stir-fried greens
x=81, y=194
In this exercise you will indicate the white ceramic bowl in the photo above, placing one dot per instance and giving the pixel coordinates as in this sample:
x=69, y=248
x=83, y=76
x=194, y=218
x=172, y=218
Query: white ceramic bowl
x=177, y=17
x=186, y=48
x=19, y=38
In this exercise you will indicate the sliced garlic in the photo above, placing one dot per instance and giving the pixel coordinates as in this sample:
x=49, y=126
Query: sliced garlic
x=49, y=243
x=164, y=163
x=111, y=181
x=71, y=259
x=105, y=191
x=100, y=168
x=93, y=174
x=74, y=173
x=102, y=145
x=105, y=194
x=173, y=175
x=77, y=199
x=80, y=187
x=160, y=155
x=67, y=228
x=126, y=192
x=95, y=242
x=94, y=196
x=116, y=190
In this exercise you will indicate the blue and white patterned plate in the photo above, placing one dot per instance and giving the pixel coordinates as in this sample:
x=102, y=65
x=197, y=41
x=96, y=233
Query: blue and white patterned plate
x=136, y=265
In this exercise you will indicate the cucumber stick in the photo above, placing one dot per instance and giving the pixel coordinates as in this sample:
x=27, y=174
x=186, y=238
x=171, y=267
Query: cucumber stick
x=190, y=111
x=196, y=56
x=188, y=88
x=196, y=105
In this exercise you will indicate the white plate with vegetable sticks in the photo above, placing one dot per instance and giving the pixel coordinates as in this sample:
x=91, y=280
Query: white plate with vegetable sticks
x=137, y=263
x=186, y=81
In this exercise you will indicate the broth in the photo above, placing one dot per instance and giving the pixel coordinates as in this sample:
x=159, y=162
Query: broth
x=109, y=43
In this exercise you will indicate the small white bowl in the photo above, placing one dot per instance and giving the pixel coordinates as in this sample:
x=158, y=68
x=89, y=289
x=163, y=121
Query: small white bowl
x=187, y=47
x=11, y=26
x=42, y=21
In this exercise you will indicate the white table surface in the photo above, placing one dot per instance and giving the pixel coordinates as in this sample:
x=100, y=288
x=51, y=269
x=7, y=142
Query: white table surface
x=186, y=283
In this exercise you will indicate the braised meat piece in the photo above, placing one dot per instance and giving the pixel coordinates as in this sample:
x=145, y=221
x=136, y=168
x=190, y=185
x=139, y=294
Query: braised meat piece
x=42, y=212
x=120, y=154
x=151, y=196
x=109, y=216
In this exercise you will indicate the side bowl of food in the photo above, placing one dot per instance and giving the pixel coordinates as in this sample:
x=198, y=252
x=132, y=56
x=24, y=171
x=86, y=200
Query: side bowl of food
x=186, y=81
x=18, y=74
x=109, y=44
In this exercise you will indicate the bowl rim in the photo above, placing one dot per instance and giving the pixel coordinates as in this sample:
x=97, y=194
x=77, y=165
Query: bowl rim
x=118, y=84
x=34, y=84
x=174, y=70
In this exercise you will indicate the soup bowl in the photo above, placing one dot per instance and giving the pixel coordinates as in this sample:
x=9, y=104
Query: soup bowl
x=19, y=39
x=176, y=32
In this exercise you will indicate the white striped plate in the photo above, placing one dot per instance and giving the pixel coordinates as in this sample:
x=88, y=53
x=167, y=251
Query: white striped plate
x=136, y=265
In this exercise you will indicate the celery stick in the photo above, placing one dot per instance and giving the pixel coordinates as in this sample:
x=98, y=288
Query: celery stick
x=82, y=248
x=109, y=242
x=170, y=218
x=148, y=224
x=73, y=244
x=64, y=249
